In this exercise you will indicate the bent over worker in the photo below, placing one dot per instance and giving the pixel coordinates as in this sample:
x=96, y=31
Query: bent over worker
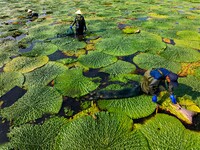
x=157, y=80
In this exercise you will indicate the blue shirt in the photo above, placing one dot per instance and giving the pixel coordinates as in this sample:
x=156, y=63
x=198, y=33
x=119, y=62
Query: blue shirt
x=159, y=73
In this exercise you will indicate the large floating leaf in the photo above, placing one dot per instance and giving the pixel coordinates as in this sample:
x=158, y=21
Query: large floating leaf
x=41, y=32
x=44, y=74
x=68, y=44
x=10, y=80
x=4, y=58
x=41, y=49
x=118, y=46
x=161, y=129
x=126, y=78
x=197, y=72
x=189, y=35
x=43, y=137
x=126, y=45
x=187, y=43
x=189, y=86
x=35, y=103
x=96, y=59
x=107, y=131
x=147, y=61
x=74, y=84
x=134, y=107
x=120, y=67
x=25, y=64
x=181, y=54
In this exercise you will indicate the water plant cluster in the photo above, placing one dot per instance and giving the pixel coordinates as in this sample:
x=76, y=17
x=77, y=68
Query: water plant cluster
x=51, y=84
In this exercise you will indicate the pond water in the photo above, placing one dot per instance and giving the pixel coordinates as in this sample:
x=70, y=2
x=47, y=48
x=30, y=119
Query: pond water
x=171, y=25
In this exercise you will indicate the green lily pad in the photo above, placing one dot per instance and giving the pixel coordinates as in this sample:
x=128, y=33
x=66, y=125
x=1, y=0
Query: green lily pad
x=126, y=77
x=180, y=54
x=10, y=80
x=4, y=58
x=197, y=72
x=35, y=103
x=107, y=131
x=130, y=30
x=44, y=74
x=147, y=61
x=118, y=46
x=43, y=136
x=134, y=107
x=67, y=61
x=6, y=146
x=41, y=32
x=189, y=86
x=187, y=43
x=161, y=129
x=96, y=59
x=74, y=84
x=68, y=44
x=9, y=47
x=25, y=64
x=120, y=67
x=189, y=35
x=41, y=49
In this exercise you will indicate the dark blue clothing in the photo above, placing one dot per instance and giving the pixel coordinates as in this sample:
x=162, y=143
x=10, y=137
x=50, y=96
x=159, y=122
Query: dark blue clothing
x=159, y=73
x=155, y=81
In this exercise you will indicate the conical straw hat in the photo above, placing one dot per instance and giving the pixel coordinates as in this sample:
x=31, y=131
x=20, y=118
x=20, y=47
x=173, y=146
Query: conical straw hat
x=78, y=12
x=29, y=10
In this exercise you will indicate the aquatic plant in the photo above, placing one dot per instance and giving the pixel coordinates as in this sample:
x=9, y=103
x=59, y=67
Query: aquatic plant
x=74, y=84
x=161, y=129
x=25, y=64
x=68, y=44
x=10, y=80
x=119, y=67
x=36, y=102
x=134, y=107
x=126, y=78
x=180, y=54
x=111, y=131
x=50, y=129
x=148, y=61
x=45, y=74
x=41, y=49
x=188, y=35
x=4, y=58
x=96, y=59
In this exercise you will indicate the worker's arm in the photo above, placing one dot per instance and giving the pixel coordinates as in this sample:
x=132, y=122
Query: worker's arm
x=172, y=97
x=73, y=23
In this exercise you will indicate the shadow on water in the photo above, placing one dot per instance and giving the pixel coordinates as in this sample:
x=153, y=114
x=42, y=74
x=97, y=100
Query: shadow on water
x=4, y=129
x=28, y=49
x=58, y=55
x=70, y=103
x=8, y=99
x=12, y=96
x=129, y=59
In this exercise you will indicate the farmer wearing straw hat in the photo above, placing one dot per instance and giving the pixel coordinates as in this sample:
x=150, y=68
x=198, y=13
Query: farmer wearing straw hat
x=80, y=24
x=31, y=15
x=154, y=82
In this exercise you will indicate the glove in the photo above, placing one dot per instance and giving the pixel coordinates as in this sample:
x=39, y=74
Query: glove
x=71, y=27
x=173, y=99
x=154, y=99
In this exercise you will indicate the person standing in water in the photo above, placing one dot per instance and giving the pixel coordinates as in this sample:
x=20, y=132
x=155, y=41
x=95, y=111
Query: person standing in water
x=80, y=24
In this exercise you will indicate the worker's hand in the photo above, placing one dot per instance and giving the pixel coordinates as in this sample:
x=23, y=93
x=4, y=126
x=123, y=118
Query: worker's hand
x=154, y=99
x=173, y=99
x=71, y=27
